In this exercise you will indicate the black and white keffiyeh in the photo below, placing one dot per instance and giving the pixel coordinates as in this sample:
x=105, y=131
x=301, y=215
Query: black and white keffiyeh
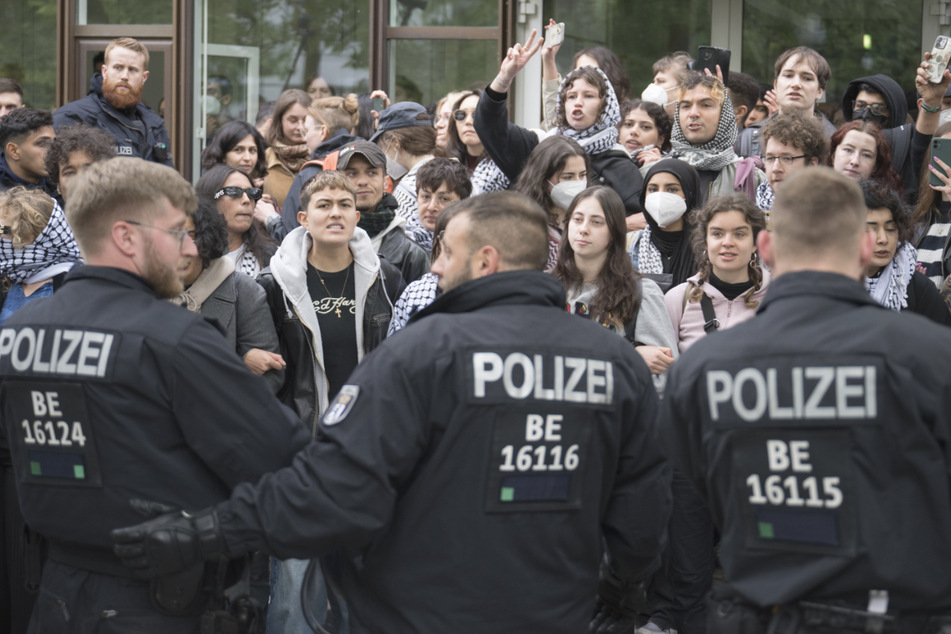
x=420, y=235
x=716, y=153
x=53, y=251
x=603, y=135
x=890, y=288
x=244, y=261
x=417, y=296
x=649, y=259
x=487, y=177
x=765, y=196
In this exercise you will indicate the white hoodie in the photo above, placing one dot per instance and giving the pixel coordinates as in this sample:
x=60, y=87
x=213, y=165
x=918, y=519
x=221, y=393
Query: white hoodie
x=289, y=268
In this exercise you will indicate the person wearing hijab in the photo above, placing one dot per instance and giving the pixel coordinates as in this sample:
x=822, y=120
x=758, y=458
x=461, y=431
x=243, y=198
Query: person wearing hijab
x=662, y=251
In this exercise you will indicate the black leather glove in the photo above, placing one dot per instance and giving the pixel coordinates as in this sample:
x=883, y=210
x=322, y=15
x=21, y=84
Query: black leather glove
x=170, y=543
x=618, y=605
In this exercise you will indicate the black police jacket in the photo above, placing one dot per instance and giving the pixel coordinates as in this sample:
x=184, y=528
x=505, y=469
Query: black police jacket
x=138, y=132
x=475, y=467
x=110, y=394
x=820, y=434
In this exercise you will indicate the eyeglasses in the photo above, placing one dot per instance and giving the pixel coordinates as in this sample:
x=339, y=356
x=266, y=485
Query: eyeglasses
x=875, y=108
x=462, y=115
x=785, y=159
x=254, y=193
x=178, y=233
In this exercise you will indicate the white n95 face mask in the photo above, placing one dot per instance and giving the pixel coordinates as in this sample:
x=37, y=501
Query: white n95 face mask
x=656, y=94
x=564, y=192
x=665, y=208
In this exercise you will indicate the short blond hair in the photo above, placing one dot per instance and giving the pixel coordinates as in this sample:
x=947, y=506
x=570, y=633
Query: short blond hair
x=326, y=179
x=817, y=212
x=122, y=188
x=133, y=45
x=28, y=211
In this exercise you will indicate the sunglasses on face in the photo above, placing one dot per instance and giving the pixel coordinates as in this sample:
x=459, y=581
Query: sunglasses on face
x=254, y=193
x=875, y=108
x=461, y=115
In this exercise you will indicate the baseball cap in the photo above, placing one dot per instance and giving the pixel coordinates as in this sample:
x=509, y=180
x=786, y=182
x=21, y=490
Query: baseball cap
x=404, y=114
x=370, y=151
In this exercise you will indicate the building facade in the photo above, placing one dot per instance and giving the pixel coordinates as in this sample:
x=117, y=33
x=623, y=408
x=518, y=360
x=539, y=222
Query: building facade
x=231, y=56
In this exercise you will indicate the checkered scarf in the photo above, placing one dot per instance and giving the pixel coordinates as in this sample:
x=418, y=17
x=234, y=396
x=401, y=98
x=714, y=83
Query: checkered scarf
x=890, y=289
x=487, y=177
x=53, y=247
x=716, y=153
x=602, y=136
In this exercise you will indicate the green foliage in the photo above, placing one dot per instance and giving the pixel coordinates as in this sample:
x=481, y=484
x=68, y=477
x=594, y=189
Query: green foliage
x=125, y=12
x=294, y=37
x=836, y=30
x=638, y=33
x=28, y=48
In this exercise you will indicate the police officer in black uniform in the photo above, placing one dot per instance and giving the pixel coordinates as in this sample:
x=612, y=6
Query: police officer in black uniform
x=820, y=434
x=116, y=402
x=476, y=467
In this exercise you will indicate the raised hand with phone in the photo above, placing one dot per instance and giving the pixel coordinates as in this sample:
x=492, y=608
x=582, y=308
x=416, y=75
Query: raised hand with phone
x=931, y=93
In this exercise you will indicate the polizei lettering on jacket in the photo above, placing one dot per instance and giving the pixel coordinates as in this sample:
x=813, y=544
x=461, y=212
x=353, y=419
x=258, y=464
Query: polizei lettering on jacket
x=57, y=351
x=540, y=376
x=795, y=392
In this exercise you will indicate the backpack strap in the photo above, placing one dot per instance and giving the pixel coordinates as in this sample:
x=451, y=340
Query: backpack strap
x=709, y=316
x=328, y=163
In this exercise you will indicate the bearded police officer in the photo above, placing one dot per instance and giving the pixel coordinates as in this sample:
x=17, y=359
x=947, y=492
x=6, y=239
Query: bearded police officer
x=116, y=402
x=820, y=434
x=476, y=467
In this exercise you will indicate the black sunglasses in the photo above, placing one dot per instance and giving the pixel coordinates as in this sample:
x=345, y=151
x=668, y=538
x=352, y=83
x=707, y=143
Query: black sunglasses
x=254, y=193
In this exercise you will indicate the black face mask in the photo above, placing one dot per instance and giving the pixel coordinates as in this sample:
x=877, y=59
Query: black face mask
x=863, y=114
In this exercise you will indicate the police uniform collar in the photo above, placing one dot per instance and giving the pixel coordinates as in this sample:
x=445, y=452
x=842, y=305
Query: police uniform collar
x=803, y=283
x=510, y=287
x=109, y=274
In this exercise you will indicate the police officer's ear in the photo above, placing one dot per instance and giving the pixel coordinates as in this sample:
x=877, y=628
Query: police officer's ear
x=124, y=237
x=486, y=261
x=764, y=244
x=868, y=248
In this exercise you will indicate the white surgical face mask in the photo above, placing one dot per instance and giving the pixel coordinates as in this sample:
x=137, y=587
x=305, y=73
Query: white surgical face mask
x=665, y=208
x=393, y=169
x=564, y=192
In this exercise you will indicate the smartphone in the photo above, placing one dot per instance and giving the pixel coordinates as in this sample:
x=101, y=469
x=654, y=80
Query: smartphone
x=555, y=34
x=940, y=148
x=379, y=104
x=709, y=57
x=939, y=59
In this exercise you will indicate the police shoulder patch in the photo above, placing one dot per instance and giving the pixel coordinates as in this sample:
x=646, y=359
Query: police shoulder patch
x=341, y=405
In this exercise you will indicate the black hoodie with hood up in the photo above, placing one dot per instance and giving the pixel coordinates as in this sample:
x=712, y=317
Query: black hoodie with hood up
x=907, y=144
